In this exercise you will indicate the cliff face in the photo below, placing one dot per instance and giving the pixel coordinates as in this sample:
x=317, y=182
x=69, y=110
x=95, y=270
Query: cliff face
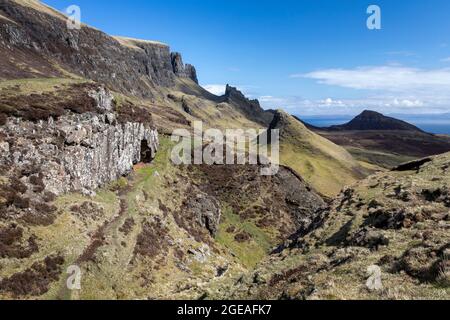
x=250, y=108
x=182, y=70
x=76, y=152
x=41, y=43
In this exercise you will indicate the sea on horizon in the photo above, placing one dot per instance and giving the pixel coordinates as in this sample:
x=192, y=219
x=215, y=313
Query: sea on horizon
x=431, y=124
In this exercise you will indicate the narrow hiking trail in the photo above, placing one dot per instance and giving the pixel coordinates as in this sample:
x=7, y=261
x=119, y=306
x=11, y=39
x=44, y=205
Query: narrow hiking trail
x=107, y=248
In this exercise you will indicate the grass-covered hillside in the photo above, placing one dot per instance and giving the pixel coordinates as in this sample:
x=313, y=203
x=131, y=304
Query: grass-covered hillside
x=325, y=165
x=396, y=222
x=164, y=231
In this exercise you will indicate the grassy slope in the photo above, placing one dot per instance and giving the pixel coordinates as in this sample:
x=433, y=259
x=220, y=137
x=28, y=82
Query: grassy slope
x=36, y=85
x=248, y=252
x=112, y=270
x=381, y=159
x=205, y=107
x=39, y=6
x=388, y=149
x=329, y=267
x=326, y=166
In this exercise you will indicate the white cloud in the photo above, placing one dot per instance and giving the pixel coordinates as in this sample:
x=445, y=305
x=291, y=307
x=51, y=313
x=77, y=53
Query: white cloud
x=272, y=102
x=446, y=59
x=406, y=103
x=329, y=102
x=384, y=104
x=387, y=78
x=217, y=89
x=387, y=89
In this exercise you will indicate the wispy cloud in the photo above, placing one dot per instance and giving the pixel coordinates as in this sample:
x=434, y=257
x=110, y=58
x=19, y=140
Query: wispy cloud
x=446, y=59
x=387, y=88
x=299, y=105
x=388, y=78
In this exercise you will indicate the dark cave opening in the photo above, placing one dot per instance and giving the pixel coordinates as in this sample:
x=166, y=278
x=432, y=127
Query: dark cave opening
x=146, y=152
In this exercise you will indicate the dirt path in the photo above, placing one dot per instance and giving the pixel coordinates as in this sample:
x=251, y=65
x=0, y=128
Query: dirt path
x=98, y=239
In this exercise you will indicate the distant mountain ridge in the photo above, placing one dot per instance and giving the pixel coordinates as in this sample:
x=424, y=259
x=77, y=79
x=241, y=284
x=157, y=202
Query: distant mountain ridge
x=381, y=140
x=371, y=120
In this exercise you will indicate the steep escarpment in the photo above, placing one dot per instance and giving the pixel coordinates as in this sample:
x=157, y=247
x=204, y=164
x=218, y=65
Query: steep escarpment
x=36, y=42
x=251, y=108
x=183, y=70
x=86, y=182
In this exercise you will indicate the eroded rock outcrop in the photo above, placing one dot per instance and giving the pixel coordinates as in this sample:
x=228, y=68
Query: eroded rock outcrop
x=77, y=152
x=72, y=153
x=250, y=108
x=183, y=70
x=32, y=33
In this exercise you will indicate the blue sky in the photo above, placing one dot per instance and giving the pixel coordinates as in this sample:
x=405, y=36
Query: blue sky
x=306, y=56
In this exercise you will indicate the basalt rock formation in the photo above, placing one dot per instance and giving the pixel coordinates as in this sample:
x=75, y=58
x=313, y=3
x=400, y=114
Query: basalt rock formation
x=86, y=181
x=183, y=70
x=76, y=152
x=251, y=108
x=35, y=41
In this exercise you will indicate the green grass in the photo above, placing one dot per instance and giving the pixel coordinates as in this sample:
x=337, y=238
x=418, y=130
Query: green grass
x=326, y=175
x=251, y=252
x=161, y=163
x=112, y=258
x=36, y=85
x=382, y=159
x=323, y=164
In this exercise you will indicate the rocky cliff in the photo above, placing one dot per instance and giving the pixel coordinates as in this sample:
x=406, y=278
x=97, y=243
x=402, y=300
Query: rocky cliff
x=183, y=70
x=73, y=152
x=36, y=41
x=74, y=119
x=251, y=108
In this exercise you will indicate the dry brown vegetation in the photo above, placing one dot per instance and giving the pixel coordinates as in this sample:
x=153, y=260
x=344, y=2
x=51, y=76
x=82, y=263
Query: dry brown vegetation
x=34, y=281
x=54, y=104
